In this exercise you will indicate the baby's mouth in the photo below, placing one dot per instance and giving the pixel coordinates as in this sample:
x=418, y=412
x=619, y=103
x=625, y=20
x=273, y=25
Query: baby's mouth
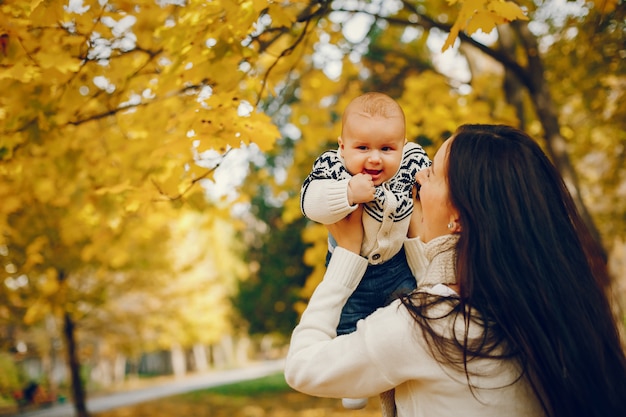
x=373, y=172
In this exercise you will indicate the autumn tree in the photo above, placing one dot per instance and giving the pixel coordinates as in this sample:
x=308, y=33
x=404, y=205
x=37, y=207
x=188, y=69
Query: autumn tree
x=114, y=106
x=514, y=76
x=111, y=107
x=266, y=297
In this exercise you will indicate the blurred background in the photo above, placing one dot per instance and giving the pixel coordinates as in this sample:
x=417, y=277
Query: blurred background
x=152, y=152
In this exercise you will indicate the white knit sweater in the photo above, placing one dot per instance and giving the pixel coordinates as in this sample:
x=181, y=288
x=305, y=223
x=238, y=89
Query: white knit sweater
x=324, y=199
x=388, y=350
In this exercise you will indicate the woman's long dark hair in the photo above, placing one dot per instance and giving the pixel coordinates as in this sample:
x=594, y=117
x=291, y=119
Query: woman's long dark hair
x=524, y=263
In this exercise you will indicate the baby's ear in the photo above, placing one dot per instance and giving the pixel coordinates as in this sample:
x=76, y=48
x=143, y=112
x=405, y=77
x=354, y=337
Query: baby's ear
x=340, y=141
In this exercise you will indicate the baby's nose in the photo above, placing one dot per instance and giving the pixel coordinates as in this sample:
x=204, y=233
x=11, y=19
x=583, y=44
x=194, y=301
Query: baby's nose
x=374, y=155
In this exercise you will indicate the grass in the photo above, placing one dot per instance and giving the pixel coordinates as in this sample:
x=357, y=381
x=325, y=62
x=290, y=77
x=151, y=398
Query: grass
x=264, y=397
x=262, y=386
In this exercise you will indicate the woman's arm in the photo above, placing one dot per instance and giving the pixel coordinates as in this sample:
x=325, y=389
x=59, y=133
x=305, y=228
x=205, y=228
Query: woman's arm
x=318, y=362
x=413, y=246
x=363, y=363
x=354, y=365
x=348, y=232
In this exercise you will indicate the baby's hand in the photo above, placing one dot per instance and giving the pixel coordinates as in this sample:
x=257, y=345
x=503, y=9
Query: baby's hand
x=360, y=189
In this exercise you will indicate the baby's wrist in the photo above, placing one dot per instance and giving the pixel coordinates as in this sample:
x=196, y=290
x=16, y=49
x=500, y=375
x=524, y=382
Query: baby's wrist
x=350, y=196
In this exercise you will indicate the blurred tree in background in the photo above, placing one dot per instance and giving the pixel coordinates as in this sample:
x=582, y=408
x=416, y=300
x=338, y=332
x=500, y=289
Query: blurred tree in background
x=266, y=298
x=122, y=226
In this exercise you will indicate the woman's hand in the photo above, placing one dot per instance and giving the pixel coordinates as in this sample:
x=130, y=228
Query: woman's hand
x=348, y=232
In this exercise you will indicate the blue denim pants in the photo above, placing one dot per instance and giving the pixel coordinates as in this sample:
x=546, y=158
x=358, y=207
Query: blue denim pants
x=380, y=285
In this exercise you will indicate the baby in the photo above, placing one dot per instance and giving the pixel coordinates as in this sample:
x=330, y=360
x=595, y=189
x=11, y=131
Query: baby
x=374, y=166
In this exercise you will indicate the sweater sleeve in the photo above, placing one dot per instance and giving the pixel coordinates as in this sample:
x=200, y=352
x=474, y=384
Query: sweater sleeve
x=324, y=193
x=359, y=364
x=414, y=249
x=326, y=200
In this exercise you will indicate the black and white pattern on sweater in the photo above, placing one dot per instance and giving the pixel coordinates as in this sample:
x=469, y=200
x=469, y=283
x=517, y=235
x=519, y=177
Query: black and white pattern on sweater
x=330, y=166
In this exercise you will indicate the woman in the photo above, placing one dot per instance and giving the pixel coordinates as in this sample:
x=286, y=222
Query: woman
x=510, y=318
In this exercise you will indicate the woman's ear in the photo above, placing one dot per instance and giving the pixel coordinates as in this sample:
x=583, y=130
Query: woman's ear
x=454, y=224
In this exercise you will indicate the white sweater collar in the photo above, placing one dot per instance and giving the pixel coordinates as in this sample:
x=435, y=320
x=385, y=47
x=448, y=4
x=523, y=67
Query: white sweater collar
x=441, y=254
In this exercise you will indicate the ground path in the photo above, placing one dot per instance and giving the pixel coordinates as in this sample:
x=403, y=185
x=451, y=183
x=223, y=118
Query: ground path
x=173, y=387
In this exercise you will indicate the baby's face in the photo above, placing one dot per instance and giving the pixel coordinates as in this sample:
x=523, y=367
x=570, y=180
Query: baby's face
x=373, y=145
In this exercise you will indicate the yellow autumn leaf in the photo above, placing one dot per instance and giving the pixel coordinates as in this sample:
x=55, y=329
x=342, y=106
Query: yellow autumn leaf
x=259, y=129
x=171, y=183
x=484, y=15
x=21, y=72
x=48, y=58
x=195, y=171
x=259, y=5
x=115, y=189
x=34, y=4
x=451, y=38
x=484, y=21
x=172, y=149
x=281, y=17
x=507, y=10
x=46, y=13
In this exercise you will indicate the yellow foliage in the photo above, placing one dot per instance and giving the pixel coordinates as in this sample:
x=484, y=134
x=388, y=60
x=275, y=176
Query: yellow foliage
x=483, y=15
x=44, y=189
x=21, y=72
x=36, y=311
x=50, y=284
x=108, y=105
x=292, y=210
x=281, y=16
x=34, y=252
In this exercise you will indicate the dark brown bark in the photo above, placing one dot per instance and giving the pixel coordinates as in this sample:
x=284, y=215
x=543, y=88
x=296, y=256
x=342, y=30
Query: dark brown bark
x=513, y=88
x=69, y=334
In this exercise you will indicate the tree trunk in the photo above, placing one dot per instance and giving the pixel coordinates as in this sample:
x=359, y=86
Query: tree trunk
x=200, y=358
x=513, y=88
x=119, y=368
x=78, y=392
x=179, y=364
x=556, y=146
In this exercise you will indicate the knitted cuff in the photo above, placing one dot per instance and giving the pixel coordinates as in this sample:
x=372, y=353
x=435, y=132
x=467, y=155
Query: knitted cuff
x=346, y=268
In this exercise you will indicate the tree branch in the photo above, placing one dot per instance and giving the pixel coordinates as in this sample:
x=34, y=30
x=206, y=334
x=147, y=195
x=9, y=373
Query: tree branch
x=191, y=184
x=428, y=23
x=307, y=16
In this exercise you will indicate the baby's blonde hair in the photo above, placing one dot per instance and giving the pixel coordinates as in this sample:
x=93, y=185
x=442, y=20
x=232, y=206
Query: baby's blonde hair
x=373, y=104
